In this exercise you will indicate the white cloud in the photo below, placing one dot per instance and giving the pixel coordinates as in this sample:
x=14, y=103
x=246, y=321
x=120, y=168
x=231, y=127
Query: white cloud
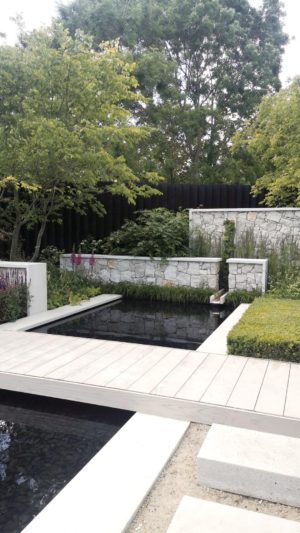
x=34, y=12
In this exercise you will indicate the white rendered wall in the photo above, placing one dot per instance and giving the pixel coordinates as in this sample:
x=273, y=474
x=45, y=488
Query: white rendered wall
x=36, y=280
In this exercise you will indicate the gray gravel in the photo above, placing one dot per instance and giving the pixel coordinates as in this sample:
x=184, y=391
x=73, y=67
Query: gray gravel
x=179, y=479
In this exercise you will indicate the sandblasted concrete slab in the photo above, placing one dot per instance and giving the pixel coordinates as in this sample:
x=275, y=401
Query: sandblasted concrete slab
x=252, y=463
x=194, y=516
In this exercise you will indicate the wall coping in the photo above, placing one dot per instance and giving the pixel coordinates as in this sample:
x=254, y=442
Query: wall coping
x=247, y=261
x=246, y=210
x=18, y=264
x=141, y=258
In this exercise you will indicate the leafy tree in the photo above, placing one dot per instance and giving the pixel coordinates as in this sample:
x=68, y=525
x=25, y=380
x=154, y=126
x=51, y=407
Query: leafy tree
x=203, y=64
x=270, y=143
x=65, y=132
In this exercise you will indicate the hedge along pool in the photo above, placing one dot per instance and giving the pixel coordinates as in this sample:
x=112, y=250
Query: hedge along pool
x=43, y=445
x=154, y=323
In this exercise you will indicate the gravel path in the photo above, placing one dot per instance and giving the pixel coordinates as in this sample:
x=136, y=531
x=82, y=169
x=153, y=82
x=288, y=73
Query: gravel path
x=179, y=479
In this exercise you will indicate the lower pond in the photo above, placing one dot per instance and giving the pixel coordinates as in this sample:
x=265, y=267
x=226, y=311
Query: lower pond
x=157, y=323
x=43, y=445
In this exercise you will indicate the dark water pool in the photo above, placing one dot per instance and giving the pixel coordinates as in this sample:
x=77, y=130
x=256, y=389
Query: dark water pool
x=157, y=323
x=43, y=444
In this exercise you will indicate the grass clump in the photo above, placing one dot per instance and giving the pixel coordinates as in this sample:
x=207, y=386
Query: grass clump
x=237, y=297
x=154, y=293
x=269, y=329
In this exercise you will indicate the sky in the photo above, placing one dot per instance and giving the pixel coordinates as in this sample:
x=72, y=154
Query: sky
x=40, y=12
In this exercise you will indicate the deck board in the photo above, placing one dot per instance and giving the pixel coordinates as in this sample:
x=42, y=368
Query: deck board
x=223, y=384
x=247, y=388
x=272, y=395
x=198, y=383
x=183, y=384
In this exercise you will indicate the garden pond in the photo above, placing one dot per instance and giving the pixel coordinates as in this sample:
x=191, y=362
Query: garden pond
x=156, y=323
x=43, y=445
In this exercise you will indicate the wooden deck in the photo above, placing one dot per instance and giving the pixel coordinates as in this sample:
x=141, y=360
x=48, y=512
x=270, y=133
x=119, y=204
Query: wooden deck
x=188, y=385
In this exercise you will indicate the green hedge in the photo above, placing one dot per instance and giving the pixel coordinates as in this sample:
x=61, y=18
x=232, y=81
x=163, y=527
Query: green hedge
x=269, y=329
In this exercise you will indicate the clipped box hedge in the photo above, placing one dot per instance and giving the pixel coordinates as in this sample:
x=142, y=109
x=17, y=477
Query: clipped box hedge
x=269, y=329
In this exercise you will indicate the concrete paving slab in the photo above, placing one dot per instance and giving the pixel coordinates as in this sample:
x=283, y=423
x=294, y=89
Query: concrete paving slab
x=194, y=516
x=251, y=463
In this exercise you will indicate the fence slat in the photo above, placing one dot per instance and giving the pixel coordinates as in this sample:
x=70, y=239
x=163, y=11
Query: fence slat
x=175, y=196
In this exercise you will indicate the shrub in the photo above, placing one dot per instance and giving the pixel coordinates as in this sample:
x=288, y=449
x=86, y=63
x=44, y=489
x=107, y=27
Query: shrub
x=89, y=245
x=183, y=295
x=13, y=301
x=269, y=329
x=50, y=255
x=155, y=233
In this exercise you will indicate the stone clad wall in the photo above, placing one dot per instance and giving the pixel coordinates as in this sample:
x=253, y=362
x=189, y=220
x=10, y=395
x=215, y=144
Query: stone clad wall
x=269, y=225
x=247, y=274
x=185, y=272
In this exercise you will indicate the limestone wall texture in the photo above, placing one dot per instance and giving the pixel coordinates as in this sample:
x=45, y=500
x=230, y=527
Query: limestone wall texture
x=269, y=225
x=178, y=271
x=247, y=274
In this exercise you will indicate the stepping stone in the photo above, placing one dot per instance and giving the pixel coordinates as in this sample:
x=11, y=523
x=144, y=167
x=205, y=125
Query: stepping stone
x=251, y=463
x=194, y=516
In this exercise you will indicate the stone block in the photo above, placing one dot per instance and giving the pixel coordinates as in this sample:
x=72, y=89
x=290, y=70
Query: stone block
x=171, y=272
x=115, y=276
x=194, y=268
x=194, y=516
x=251, y=463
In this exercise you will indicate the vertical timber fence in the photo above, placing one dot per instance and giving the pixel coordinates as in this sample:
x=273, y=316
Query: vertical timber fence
x=74, y=227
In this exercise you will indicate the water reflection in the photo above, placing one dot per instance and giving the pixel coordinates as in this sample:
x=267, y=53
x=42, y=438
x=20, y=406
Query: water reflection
x=157, y=323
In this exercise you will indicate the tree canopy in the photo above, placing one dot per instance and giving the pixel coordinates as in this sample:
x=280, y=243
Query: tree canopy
x=269, y=147
x=204, y=66
x=66, y=133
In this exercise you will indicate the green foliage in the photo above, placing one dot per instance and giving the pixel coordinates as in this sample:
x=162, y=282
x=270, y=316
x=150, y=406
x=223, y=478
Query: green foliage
x=69, y=288
x=204, y=66
x=13, y=302
x=182, y=295
x=269, y=329
x=91, y=245
x=51, y=256
x=237, y=297
x=228, y=239
x=66, y=132
x=155, y=233
x=270, y=144
x=228, y=247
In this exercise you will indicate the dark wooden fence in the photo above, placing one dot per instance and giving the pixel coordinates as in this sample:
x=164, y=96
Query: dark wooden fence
x=75, y=228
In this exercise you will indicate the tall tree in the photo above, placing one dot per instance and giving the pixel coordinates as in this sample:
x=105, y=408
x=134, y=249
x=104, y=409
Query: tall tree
x=65, y=132
x=269, y=148
x=203, y=64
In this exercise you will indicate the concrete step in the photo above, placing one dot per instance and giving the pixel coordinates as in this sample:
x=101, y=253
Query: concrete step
x=194, y=516
x=251, y=463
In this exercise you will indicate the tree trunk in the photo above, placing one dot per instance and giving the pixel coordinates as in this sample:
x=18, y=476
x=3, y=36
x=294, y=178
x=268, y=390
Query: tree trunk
x=38, y=242
x=15, y=240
